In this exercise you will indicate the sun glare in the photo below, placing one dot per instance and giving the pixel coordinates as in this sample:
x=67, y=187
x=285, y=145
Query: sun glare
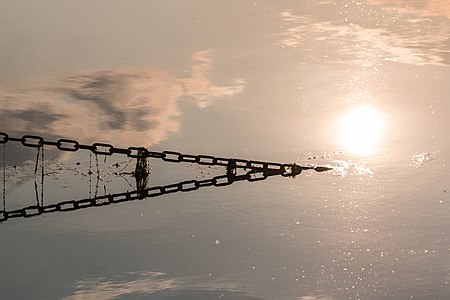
x=361, y=128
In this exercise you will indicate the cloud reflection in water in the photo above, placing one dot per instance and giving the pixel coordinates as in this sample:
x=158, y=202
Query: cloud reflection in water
x=425, y=8
x=157, y=284
x=102, y=288
x=391, y=32
x=125, y=106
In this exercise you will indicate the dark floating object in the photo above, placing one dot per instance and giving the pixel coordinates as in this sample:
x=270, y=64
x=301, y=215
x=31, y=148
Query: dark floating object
x=322, y=169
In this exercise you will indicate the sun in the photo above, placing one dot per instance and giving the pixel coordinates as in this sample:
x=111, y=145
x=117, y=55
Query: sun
x=360, y=129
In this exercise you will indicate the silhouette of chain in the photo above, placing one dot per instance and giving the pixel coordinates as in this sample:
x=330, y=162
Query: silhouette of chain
x=35, y=141
x=183, y=186
x=258, y=170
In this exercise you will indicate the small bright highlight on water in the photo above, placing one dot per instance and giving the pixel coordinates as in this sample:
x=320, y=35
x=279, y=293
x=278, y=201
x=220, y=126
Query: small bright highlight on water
x=360, y=129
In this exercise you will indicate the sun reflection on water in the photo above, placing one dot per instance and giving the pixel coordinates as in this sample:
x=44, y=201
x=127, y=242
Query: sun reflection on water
x=361, y=128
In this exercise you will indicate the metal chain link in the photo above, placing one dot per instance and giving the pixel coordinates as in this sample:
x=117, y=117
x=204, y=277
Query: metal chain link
x=259, y=170
x=286, y=170
x=183, y=186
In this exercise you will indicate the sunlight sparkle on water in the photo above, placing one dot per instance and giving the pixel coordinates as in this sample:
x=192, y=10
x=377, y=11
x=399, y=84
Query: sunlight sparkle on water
x=360, y=129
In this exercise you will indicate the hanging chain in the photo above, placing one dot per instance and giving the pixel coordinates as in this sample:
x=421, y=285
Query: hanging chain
x=258, y=170
x=286, y=170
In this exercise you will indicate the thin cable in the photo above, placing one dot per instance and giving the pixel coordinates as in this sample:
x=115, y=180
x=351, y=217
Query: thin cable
x=36, y=192
x=4, y=176
x=37, y=161
x=98, y=176
x=90, y=175
x=42, y=177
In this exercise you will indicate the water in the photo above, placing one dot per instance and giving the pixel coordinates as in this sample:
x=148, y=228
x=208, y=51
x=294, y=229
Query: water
x=358, y=86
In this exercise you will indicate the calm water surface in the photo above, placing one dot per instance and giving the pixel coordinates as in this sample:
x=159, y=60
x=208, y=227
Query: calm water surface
x=361, y=87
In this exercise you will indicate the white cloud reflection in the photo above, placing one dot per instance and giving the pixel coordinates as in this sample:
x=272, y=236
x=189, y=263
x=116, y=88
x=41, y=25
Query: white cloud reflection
x=156, y=284
x=315, y=297
x=102, y=288
x=405, y=34
x=424, y=8
x=125, y=106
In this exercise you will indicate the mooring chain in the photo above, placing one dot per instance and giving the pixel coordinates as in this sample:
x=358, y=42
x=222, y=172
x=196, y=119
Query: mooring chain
x=34, y=141
x=184, y=186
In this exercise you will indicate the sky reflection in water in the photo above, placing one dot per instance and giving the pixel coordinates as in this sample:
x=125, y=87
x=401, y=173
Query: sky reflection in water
x=157, y=285
x=130, y=107
x=361, y=86
x=410, y=39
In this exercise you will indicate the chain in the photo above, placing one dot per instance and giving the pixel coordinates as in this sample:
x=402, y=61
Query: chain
x=183, y=186
x=286, y=170
x=259, y=170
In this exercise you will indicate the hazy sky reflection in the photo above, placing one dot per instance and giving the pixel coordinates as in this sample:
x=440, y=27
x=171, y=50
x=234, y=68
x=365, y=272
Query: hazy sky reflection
x=127, y=106
x=141, y=72
x=158, y=285
x=390, y=32
x=103, y=288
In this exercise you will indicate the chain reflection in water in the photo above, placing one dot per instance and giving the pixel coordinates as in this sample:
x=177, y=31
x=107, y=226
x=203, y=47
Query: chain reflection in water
x=258, y=170
x=40, y=152
x=90, y=174
x=184, y=186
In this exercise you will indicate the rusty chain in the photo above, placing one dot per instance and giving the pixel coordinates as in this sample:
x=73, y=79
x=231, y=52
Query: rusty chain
x=35, y=141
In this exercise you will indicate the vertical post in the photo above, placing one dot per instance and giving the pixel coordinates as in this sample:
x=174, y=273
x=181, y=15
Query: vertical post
x=231, y=170
x=141, y=172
